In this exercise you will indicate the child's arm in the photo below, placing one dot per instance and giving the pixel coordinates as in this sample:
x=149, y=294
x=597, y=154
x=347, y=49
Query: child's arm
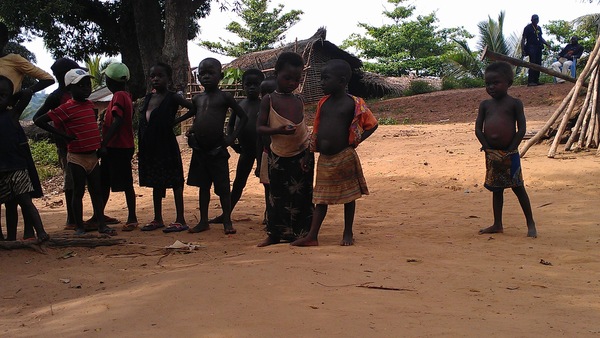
x=262, y=123
x=43, y=122
x=237, y=111
x=521, y=126
x=23, y=97
x=479, y=127
x=368, y=132
x=52, y=101
x=117, y=121
x=187, y=104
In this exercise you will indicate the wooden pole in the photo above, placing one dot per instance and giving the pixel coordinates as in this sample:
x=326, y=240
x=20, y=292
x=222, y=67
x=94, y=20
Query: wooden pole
x=518, y=62
x=575, y=131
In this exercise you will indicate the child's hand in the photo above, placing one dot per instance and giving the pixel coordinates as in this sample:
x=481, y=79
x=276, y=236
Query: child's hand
x=287, y=130
x=102, y=151
x=306, y=162
x=69, y=138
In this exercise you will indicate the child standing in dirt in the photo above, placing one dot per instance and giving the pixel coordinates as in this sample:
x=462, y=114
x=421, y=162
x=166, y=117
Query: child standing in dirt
x=291, y=169
x=263, y=146
x=210, y=158
x=495, y=130
x=78, y=118
x=117, y=141
x=159, y=158
x=15, y=182
x=251, y=80
x=342, y=121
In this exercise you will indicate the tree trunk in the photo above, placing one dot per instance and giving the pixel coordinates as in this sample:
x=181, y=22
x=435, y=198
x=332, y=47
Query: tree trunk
x=130, y=52
x=175, y=52
x=151, y=36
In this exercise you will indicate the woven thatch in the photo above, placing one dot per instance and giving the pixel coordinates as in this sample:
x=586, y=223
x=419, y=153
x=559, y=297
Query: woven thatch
x=316, y=51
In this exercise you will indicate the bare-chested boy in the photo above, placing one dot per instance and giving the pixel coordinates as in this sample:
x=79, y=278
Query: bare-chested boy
x=342, y=121
x=210, y=158
x=495, y=130
x=251, y=80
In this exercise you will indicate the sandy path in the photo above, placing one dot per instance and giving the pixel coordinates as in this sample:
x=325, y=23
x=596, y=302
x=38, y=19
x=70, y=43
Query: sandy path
x=417, y=232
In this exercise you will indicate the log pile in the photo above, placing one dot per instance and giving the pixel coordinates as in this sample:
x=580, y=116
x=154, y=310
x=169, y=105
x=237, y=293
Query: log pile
x=586, y=131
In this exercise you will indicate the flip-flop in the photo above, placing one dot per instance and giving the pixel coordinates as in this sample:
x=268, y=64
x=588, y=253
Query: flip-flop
x=152, y=226
x=130, y=226
x=176, y=227
x=108, y=231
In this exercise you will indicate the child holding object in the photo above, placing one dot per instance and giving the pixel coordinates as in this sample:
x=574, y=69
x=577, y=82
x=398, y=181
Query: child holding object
x=495, y=130
x=291, y=165
x=342, y=121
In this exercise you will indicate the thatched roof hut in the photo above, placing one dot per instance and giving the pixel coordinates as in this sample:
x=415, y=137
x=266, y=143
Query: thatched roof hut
x=316, y=51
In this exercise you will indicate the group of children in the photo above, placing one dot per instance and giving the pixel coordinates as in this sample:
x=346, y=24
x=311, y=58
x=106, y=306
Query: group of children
x=268, y=125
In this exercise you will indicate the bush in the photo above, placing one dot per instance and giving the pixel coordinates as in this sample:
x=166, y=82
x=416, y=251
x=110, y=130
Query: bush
x=387, y=121
x=45, y=158
x=465, y=82
x=419, y=87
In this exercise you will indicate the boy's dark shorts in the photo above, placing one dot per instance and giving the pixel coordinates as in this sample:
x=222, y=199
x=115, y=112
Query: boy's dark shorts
x=116, y=169
x=207, y=169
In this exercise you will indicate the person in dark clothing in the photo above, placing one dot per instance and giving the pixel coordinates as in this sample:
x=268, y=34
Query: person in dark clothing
x=532, y=45
x=566, y=56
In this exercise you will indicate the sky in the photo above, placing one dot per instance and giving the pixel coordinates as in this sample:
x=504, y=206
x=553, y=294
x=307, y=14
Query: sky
x=341, y=19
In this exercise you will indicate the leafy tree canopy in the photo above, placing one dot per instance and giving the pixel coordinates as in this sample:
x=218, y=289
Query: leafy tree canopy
x=406, y=44
x=261, y=29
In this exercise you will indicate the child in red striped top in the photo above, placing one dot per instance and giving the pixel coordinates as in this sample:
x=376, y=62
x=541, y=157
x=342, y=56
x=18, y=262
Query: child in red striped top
x=79, y=120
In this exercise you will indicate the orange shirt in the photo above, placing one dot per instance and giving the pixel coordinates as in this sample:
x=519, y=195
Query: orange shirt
x=15, y=67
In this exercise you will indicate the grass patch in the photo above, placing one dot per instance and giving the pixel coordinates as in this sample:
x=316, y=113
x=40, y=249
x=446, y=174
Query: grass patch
x=387, y=121
x=419, y=87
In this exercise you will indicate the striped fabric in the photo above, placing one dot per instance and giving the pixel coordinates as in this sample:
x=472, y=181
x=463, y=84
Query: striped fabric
x=14, y=183
x=78, y=119
x=340, y=178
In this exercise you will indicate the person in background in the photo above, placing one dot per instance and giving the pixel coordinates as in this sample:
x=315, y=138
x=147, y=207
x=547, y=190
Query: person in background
x=566, y=56
x=532, y=45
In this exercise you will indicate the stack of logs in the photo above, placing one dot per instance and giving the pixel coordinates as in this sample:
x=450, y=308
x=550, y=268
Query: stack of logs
x=586, y=131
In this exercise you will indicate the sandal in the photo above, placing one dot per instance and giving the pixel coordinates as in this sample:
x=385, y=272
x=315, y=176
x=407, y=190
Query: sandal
x=108, y=231
x=176, y=227
x=130, y=226
x=153, y=226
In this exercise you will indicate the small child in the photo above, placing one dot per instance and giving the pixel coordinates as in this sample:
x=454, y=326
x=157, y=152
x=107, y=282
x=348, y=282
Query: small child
x=342, y=122
x=117, y=141
x=210, y=158
x=159, y=158
x=15, y=183
x=495, y=130
x=291, y=165
x=78, y=118
x=61, y=95
x=251, y=80
x=263, y=146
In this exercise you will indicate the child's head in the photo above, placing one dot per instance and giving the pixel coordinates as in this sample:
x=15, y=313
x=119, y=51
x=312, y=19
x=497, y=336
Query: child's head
x=498, y=77
x=335, y=76
x=210, y=73
x=78, y=82
x=6, y=92
x=3, y=36
x=160, y=76
x=117, y=75
x=251, y=80
x=288, y=70
x=268, y=85
x=60, y=67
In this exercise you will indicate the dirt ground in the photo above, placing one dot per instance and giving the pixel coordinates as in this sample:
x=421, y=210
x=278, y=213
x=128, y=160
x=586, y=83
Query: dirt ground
x=417, y=247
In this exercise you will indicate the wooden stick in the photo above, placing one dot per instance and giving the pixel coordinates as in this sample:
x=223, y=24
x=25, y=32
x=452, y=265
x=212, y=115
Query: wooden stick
x=588, y=118
x=592, y=64
x=586, y=105
x=63, y=242
x=535, y=139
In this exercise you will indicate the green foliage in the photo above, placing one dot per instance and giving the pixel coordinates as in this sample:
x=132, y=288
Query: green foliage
x=232, y=76
x=95, y=67
x=406, y=44
x=260, y=30
x=450, y=82
x=419, y=87
x=383, y=121
x=45, y=158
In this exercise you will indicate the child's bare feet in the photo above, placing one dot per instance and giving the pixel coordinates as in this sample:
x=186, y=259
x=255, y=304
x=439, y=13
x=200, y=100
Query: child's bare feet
x=494, y=229
x=269, y=241
x=229, y=229
x=199, y=228
x=531, y=231
x=347, y=240
x=305, y=241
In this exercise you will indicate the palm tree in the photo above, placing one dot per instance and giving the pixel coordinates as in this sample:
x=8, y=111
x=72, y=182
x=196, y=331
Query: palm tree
x=95, y=67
